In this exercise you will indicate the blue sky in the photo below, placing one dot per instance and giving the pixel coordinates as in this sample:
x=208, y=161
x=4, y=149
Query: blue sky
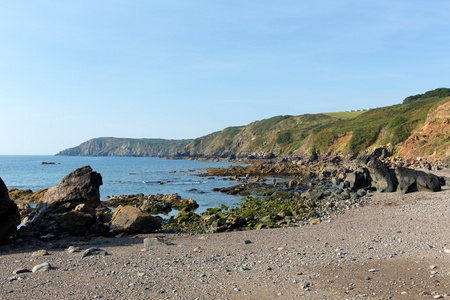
x=76, y=70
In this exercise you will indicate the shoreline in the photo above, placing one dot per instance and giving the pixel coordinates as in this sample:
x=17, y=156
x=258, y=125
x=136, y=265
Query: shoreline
x=399, y=236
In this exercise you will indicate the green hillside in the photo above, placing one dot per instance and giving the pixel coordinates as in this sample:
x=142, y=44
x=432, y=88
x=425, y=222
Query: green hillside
x=108, y=146
x=347, y=132
x=284, y=136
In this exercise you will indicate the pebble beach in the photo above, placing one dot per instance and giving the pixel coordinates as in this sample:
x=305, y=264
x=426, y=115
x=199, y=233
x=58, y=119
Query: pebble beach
x=393, y=247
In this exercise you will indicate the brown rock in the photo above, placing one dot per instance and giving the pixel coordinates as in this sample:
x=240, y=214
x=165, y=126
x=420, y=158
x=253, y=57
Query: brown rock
x=236, y=221
x=133, y=220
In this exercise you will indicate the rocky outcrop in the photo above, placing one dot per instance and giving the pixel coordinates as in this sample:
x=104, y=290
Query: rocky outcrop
x=358, y=179
x=26, y=195
x=385, y=179
x=405, y=180
x=69, y=208
x=373, y=157
x=131, y=219
x=416, y=181
x=9, y=214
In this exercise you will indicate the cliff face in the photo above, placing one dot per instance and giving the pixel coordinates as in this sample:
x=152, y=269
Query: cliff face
x=433, y=138
x=127, y=147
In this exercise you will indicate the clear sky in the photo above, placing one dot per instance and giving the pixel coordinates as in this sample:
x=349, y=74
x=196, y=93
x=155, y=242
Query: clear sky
x=75, y=70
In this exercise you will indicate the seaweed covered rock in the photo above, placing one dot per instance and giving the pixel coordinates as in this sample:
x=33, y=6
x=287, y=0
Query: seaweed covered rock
x=153, y=203
x=176, y=201
x=27, y=195
x=9, y=214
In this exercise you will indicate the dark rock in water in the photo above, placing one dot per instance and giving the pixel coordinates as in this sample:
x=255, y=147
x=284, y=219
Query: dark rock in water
x=70, y=206
x=386, y=180
x=133, y=220
x=9, y=214
x=416, y=181
x=359, y=179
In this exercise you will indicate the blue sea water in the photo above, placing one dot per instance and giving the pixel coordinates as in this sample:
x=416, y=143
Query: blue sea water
x=122, y=176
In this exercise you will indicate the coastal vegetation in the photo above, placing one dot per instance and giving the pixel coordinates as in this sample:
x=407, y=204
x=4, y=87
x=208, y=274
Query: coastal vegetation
x=110, y=146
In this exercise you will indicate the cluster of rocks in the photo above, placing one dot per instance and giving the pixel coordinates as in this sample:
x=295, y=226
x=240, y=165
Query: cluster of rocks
x=281, y=204
x=68, y=207
x=153, y=203
x=312, y=198
x=405, y=180
x=72, y=208
x=318, y=191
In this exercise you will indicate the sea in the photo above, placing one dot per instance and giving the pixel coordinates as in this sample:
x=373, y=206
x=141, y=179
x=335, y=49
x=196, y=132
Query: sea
x=123, y=176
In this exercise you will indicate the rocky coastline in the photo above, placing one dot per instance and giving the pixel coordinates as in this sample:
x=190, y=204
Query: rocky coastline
x=340, y=230
x=281, y=194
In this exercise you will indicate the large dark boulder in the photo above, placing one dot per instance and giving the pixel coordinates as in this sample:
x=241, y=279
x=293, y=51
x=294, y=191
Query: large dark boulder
x=358, y=179
x=81, y=186
x=69, y=208
x=386, y=181
x=410, y=180
x=9, y=214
